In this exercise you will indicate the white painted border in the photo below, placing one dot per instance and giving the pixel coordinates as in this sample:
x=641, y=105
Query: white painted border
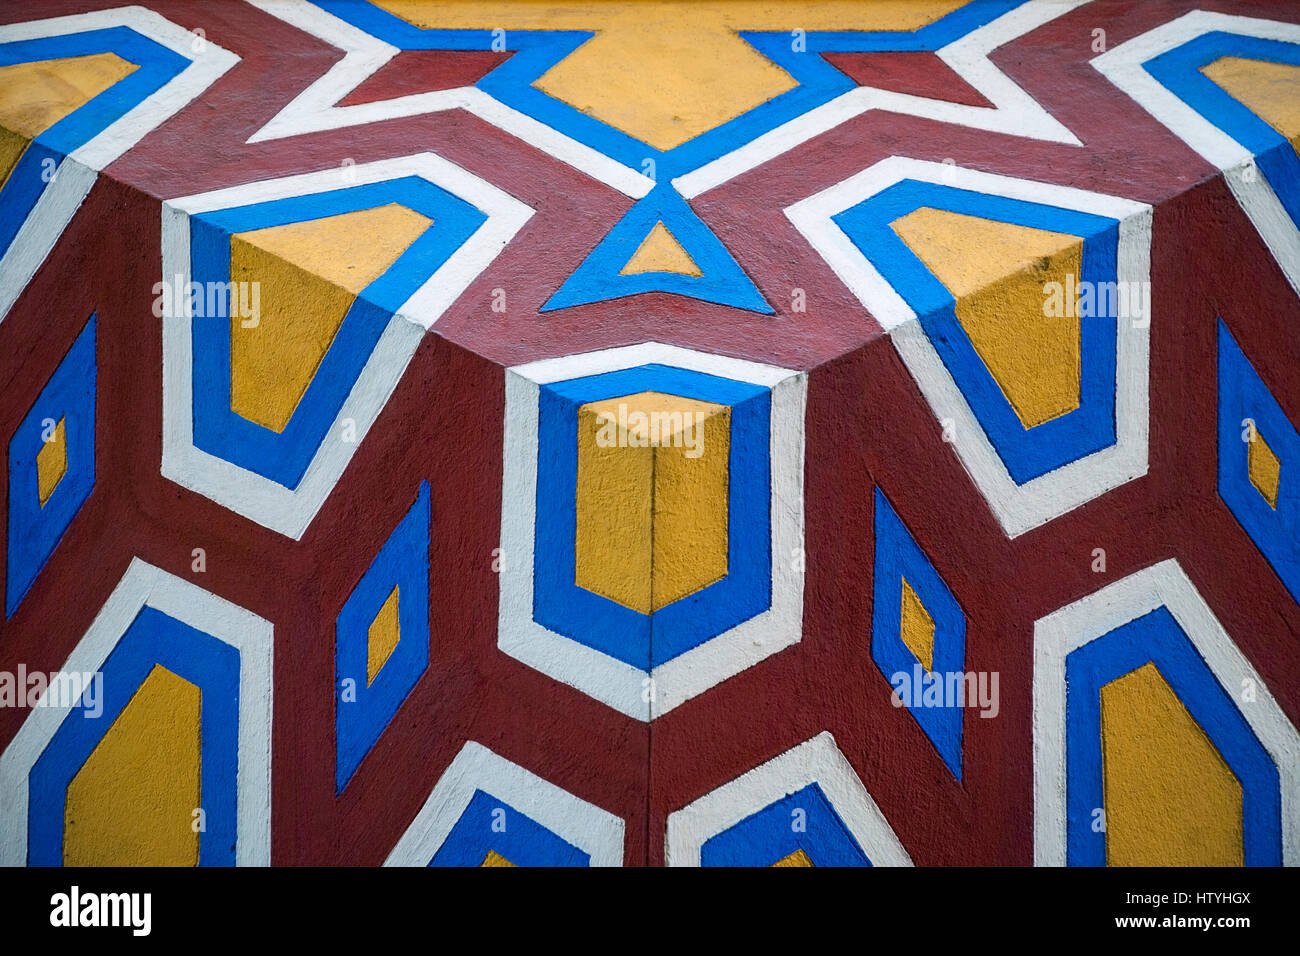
x=268, y=503
x=1013, y=112
x=1063, y=631
x=584, y=825
x=1019, y=508
x=77, y=173
x=143, y=586
x=611, y=681
x=1123, y=66
x=314, y=108
x=817, y=760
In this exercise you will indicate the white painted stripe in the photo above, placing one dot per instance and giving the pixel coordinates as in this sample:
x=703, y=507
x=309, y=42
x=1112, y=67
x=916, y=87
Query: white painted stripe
x=314, y=108
x=817, y=760
x=545, y=371
x=291, y=511
x=629, y=689
x=1123, y=66
x=142, y=586
x=1018, y=508
x=1014, y=111
x=1058, y=634
x=36, y=237
x=592, y=830
x=77, y=173
x=610, y=681
x=1269, y=217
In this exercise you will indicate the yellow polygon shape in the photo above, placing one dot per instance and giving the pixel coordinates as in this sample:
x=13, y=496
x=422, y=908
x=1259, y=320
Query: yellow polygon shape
x=660, y=252
x=52, y=463
x=917, y=627
x=1269, y=90
x=382, y=637
x=1170, y=798
x=652, y=498
x=998, y=274
x=797, y=858
x=1264, y=468
x=35, y=96
x=132, y=802
x=666, y=72
x=308, y=275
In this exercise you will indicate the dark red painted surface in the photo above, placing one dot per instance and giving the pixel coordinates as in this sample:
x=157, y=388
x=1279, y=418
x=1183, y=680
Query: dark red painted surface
x=867, y=424
x=420, y=71
x=915, y=72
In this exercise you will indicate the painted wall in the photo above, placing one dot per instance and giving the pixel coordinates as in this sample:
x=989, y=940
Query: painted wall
x=644, y=434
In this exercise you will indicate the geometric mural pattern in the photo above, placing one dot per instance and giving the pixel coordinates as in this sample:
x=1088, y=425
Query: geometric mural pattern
x=650, y=434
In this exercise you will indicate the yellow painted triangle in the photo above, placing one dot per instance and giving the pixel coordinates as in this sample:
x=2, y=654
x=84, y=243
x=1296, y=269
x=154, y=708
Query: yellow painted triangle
x=797, y=858
x=917, y=628
x=350, y=250
x=307, y=276
x=35, y=96
x=998, y=274
x=660, y=252
x=1269, y=90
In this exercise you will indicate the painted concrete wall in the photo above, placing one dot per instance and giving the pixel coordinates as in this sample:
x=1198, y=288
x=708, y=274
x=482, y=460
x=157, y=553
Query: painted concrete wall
x=625, y=434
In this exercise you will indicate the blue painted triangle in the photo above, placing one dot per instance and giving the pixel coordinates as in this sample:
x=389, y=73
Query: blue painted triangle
x=598, y=279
